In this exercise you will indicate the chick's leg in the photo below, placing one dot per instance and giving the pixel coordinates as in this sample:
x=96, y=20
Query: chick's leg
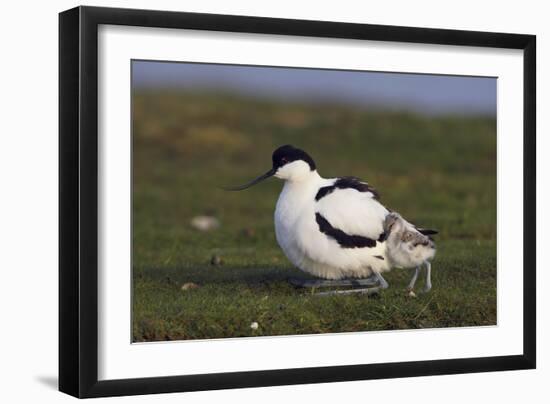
x=428, y=284
x=413, y=279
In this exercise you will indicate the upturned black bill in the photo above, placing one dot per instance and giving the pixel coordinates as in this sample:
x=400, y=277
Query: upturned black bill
x=270, y=173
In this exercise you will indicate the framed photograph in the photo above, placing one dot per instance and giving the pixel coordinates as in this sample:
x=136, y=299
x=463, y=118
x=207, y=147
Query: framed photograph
x=251, y=201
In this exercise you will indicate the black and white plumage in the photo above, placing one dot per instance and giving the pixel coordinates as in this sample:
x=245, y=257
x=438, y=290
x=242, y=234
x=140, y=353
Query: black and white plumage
x=337, y=228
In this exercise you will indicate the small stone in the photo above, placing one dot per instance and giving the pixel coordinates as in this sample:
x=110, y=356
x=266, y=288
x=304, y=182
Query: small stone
x=216, y=260
x=189, y=286
x=205, y=223
x=249, y=232
x=411, y=293
x=254, y=325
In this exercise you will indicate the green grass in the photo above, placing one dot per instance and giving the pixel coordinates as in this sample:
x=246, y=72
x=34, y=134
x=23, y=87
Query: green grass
x=438, y=172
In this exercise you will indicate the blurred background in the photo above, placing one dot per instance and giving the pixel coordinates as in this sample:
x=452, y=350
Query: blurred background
x=427, y=94
x=204, y=258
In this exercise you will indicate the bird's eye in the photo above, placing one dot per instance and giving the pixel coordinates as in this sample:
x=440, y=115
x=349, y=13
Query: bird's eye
x=284, y=160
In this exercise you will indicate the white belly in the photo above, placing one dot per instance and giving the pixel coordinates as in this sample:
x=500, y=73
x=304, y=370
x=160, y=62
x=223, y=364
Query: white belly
x=314, y=252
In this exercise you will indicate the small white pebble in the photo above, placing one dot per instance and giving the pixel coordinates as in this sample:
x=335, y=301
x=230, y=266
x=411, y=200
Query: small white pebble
x=411, y=293
x=205, y=223
x=254, y=325
x=189, y=286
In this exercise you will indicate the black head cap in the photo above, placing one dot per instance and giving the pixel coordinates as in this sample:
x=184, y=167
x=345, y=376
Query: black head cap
x=283, y=155
x=287, y=154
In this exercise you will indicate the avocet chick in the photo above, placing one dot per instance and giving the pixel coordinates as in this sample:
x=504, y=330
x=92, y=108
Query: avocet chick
x=409, y=247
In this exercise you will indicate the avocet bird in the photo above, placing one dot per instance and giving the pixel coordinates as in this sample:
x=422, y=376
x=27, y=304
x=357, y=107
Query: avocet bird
x=337, y=229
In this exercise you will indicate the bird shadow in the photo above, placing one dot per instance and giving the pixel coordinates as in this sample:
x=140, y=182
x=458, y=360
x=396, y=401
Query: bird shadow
x=48, y=381
x=223, y=275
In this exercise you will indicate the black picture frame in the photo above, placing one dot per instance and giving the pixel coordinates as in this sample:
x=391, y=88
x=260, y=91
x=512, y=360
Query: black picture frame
x=78, y=201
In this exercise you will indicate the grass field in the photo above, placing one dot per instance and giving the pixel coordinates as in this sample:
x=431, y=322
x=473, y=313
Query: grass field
x=439, y=172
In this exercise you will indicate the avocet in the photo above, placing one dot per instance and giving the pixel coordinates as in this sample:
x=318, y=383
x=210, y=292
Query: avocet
x=336, y=229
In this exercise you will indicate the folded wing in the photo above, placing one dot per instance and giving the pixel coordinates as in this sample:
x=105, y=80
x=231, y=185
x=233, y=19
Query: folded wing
x=350, y=207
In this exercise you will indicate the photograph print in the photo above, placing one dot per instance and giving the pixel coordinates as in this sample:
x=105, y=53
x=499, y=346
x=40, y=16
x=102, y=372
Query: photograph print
x=271, y=201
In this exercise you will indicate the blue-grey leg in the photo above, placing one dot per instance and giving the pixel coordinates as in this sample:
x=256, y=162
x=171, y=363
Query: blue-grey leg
x=323, y=283
x=428, y=284
x=414, y=278
x=363, y=291
x=381, y=280
x=373, y=280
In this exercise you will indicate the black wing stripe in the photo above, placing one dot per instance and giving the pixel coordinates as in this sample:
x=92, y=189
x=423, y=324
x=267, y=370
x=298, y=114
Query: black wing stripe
x=347, y=182
x=383, y=237
x=427, y=232
x=345, y=240
x=324, y=191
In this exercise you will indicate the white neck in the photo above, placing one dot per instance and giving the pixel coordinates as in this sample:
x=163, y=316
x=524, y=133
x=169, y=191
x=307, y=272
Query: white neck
x=297, y=193
x=309, y=177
